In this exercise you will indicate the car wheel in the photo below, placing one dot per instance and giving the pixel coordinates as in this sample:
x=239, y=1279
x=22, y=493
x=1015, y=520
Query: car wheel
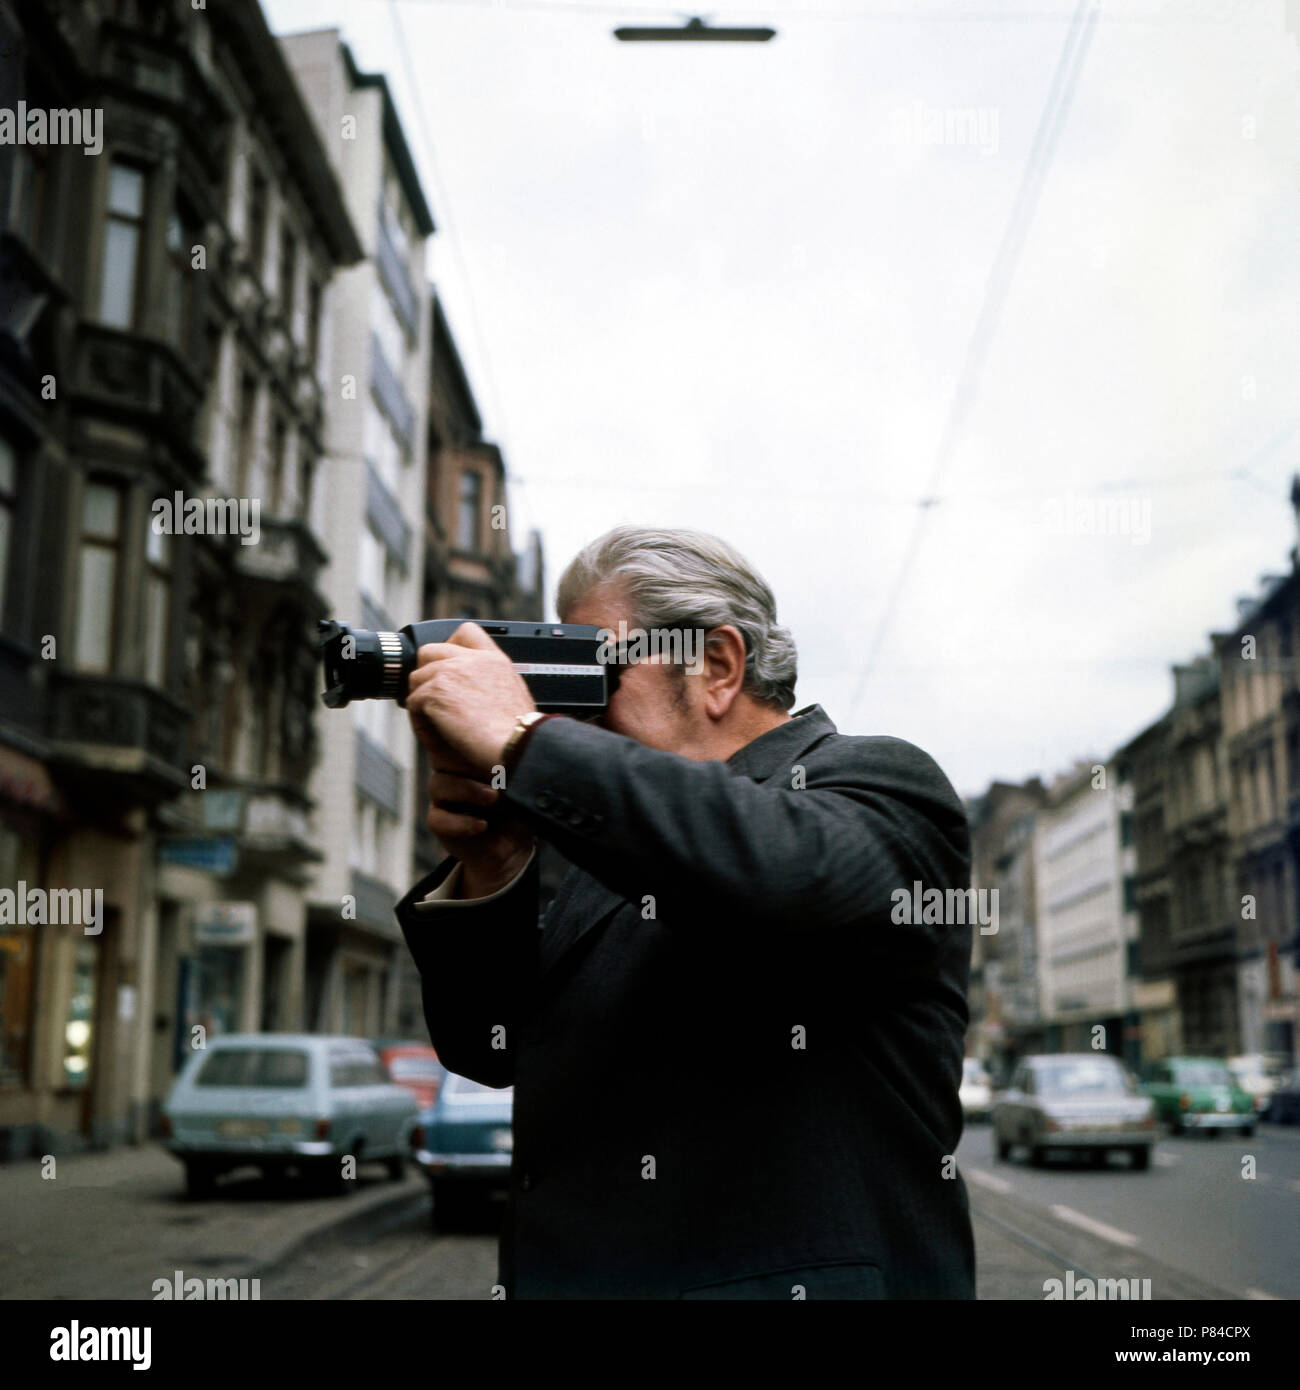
x=200, y=1178
x=1037, y=1156
x=396, y=1167
x=1141, y=1158
x=1098, y=1158
x=1176, y=1128
x=1003, y=1150
x=1247, y=1131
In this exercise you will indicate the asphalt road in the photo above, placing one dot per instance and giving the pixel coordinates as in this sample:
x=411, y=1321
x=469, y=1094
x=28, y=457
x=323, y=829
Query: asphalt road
x=1193, y=1209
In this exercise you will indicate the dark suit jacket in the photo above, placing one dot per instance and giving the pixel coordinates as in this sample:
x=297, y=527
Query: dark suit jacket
x=733, y=1072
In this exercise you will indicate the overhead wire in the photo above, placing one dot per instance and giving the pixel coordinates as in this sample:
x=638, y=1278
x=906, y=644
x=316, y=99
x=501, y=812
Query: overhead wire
x=1060, y=97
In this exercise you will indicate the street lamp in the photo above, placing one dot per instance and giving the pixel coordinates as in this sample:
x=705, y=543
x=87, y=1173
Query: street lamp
x=694, y=31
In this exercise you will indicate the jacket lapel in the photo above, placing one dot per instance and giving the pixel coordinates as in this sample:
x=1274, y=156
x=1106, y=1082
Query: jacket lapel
x=582, y=902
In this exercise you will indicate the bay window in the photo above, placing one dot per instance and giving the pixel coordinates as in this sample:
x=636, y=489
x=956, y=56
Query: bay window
x=123, y=241
x=98, y=568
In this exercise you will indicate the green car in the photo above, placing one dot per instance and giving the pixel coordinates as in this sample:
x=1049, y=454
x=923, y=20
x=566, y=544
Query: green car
x=1198, y=1093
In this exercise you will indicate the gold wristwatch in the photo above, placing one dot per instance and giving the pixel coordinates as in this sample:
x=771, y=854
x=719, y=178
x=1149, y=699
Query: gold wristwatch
x=525, y=722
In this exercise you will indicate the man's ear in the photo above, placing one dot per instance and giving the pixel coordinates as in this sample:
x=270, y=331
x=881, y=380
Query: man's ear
x=724, y=669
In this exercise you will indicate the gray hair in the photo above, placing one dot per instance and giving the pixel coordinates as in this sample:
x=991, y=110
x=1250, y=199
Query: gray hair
x=688, y=579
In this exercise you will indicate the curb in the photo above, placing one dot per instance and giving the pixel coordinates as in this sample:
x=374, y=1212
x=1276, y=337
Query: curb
x=356, y=1214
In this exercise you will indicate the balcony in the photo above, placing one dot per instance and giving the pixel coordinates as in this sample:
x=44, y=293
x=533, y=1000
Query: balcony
x=160, y=71
x=116, y=735
x=375, y=903
x=393, y=273
x=378, y=777
x=264, y=823
x=391, y=395
x=126, y=375
x=286, y=553
x=384, y=513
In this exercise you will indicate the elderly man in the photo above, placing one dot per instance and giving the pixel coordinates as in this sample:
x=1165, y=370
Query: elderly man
x=735, y=1070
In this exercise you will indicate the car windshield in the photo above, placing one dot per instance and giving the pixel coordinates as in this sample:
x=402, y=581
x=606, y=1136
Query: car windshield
x=1202, y=1074
x=1082, y=1079
x=280, y=1067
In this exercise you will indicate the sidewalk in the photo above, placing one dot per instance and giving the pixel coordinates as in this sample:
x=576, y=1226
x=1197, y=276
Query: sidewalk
x=109, y=1224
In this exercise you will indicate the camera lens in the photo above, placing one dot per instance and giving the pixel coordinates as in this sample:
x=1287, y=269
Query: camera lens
x=363, y=665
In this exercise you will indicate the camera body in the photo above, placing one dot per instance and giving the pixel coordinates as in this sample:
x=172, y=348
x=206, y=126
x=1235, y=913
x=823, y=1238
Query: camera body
x=561, y=663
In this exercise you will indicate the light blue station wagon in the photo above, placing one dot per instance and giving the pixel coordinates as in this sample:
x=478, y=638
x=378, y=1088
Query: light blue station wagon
x=285, y=1101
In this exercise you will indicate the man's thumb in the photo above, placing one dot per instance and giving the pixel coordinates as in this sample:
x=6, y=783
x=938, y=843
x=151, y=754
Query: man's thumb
x=471, y=635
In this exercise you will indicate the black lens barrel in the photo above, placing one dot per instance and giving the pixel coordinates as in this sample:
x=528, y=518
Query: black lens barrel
x=364, y=665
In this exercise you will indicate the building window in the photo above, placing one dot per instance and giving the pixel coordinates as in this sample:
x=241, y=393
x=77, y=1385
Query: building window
x=307, y=471
x=101, y=538
x=379, y=445
x=383, y=319
x=157, y=605
x=288, y=273
x=123, y=238
x=183, y=283
x=279, y=465
x=372, y=567
x=256, y=221
x=8, y=517
x=31, y=183
x=17, y=946
x=79, y=1023
x=244, y=443
x=471, y=491
x=1130, y=893
x=393, y=211
x=313, y=322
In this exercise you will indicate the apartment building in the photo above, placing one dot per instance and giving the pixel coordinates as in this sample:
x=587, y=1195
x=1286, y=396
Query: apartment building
x=1005, y=1016
x=376, y=441
x=161, y=344
x=1085, y=888
x=1260, y=783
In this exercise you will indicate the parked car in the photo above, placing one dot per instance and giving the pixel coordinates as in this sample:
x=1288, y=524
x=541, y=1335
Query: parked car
x=1074, y=1101
x=466, y=1147
x=285, y=1101
x=1198, y=1093
x=1285, y=1106
x=414, y=1065
x=976, y=1090
x=1259, y=1076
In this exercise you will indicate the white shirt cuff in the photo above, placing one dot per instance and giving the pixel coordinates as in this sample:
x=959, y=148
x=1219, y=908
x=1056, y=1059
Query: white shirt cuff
x=441, y=896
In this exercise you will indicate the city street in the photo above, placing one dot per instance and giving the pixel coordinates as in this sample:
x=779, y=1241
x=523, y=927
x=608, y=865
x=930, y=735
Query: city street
x=1192, y=1211
x=111, y=1224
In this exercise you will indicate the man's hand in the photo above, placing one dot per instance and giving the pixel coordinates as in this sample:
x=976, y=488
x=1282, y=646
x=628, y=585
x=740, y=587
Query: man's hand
x=464, y=699
x=491, y=852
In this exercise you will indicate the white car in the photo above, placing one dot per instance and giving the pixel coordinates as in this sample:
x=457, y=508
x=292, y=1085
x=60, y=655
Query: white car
x=286, y=1100
x=976, y=1091
x=1259, y=1076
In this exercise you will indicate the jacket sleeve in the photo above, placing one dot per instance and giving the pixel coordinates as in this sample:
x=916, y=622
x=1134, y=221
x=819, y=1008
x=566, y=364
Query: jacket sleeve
x=478, y=965
x=828, y=847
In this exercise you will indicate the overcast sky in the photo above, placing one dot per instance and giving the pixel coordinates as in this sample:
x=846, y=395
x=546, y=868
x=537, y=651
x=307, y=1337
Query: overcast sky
x=735, y=288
